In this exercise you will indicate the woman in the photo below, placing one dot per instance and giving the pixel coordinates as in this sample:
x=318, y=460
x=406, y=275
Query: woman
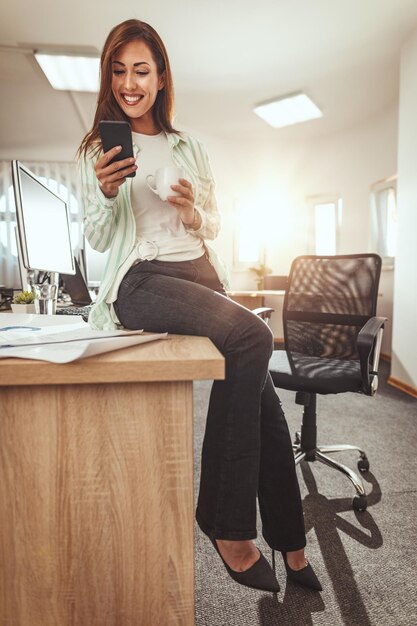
x=162, y=276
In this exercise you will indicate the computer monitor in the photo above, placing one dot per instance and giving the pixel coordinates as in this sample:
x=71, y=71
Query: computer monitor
x=42, y=223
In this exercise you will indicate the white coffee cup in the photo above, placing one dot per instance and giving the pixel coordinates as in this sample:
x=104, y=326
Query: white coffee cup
x=160, y=182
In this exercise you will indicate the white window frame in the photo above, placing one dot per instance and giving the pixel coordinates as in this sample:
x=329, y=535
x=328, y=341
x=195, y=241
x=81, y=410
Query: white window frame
x=313, y=201
x=379, y=216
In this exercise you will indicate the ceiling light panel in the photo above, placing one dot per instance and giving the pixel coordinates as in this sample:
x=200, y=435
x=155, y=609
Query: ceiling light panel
x=70, y=72
x=288, y=110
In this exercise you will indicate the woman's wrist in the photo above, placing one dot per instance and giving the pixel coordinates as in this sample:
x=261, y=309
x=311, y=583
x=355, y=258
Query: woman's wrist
x=196, y=223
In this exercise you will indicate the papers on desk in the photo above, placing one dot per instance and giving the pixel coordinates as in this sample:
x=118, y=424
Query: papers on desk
x=61, y=339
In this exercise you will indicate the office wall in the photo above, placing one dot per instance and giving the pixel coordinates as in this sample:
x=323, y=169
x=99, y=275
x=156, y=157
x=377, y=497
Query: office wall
x=404, y=361
x=264, y=177
x=283, y=174
x=348, y=163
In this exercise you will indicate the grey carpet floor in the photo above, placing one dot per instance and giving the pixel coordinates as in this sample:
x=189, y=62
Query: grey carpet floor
x=366, y=561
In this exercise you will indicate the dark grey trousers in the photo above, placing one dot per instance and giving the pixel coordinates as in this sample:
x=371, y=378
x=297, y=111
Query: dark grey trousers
x=247, y=449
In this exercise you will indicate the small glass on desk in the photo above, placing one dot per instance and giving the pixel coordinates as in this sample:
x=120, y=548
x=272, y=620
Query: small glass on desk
x=45, y=298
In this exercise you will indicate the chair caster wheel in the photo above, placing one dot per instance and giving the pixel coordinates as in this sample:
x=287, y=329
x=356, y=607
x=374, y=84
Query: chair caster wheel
x=363, y=465
x=359, y=503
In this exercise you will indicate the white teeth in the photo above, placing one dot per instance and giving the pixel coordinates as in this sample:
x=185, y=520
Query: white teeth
x=131, y=99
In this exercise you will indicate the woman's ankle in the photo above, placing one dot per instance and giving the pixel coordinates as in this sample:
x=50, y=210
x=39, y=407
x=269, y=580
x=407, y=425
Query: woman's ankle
x=239, y=555
x=296, y=559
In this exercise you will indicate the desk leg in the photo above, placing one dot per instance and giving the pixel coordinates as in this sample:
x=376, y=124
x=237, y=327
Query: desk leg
x=96, y=505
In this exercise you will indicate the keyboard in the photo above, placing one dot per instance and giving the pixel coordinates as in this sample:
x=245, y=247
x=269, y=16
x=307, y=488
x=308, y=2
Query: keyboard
x=75, y=310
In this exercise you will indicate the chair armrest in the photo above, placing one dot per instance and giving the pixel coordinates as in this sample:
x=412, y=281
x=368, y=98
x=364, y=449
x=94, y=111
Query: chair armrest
x=369, y=346
x=263, y=312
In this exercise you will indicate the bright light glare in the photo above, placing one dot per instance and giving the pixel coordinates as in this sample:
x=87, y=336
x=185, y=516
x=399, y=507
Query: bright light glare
x=70, y=73
x=249, y=235
x=265, y=223
x=325, y=222
x=289, y=110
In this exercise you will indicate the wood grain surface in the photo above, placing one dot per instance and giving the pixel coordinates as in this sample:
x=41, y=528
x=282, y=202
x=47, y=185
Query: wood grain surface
x=176, y=358
x=96, y=505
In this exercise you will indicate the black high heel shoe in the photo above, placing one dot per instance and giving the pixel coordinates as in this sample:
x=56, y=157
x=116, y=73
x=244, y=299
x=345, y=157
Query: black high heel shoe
x=304, y=576
x=259, y=576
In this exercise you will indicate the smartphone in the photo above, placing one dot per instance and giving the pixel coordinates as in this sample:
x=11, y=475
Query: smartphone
x=117, y=134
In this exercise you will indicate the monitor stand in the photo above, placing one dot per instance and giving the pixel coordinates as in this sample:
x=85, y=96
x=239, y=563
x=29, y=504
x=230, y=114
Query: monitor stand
x=54, y=280
x=30, y=277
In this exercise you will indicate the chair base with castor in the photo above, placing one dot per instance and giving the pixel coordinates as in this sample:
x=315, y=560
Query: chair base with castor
x=306, y=449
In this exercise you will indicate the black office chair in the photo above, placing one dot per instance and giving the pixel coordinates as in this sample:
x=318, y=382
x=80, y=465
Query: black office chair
x=332, y=345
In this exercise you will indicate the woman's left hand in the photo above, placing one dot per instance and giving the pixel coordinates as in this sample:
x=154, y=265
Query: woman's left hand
x=184, y=203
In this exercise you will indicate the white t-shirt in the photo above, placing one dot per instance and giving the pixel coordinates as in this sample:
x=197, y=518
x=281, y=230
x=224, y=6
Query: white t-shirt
x=160, y=233
x=157, y=221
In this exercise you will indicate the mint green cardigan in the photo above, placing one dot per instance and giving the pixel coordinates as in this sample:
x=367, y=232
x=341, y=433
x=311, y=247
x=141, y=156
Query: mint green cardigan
x=109, y=223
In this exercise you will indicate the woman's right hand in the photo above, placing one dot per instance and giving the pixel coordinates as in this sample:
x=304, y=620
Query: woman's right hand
x=110, y=177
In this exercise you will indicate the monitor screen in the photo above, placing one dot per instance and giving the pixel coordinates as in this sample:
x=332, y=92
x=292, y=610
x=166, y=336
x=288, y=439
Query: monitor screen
x=76, y=287
x=43, y=224
x=95, y=264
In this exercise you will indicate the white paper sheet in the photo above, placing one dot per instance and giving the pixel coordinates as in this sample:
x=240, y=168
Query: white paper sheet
x=51, y=338
x=67, y=352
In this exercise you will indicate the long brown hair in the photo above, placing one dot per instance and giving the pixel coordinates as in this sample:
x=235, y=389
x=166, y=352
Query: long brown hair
x=107, y=107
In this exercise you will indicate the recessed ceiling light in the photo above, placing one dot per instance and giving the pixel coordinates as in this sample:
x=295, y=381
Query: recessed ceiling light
x=70, y=72
x=288, y=110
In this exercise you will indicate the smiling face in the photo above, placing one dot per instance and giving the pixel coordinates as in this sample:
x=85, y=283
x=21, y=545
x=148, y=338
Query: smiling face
x=135, y=85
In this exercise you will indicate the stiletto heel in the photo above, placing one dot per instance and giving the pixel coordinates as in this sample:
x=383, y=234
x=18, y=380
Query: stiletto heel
x=304, y=576
x=258, y=576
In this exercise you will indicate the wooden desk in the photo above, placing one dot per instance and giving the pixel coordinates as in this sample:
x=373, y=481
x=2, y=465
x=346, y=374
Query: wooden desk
x=273, y=298
x=96, y=486
x=253, y=299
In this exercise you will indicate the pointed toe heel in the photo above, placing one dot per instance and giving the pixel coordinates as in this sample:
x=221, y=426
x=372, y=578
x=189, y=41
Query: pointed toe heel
x=305, y=576
x=259, y=576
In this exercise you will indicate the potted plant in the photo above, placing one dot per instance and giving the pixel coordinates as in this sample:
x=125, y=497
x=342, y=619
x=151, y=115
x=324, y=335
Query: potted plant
x=261, y=271
x=24, y=302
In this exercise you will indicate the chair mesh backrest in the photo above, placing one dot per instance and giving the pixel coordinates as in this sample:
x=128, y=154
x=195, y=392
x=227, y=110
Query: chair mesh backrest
x=328, y=300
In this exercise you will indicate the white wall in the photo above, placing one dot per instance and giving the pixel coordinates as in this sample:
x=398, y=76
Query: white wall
x=404, y=361
x=284, y=175
x=346, y=163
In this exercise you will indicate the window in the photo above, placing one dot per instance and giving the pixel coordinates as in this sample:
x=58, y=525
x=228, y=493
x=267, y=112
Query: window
x=326, y=219
x=62, y=179
x=9, y=274
x=264, y=221
x=384, y=218
x=249, y=246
